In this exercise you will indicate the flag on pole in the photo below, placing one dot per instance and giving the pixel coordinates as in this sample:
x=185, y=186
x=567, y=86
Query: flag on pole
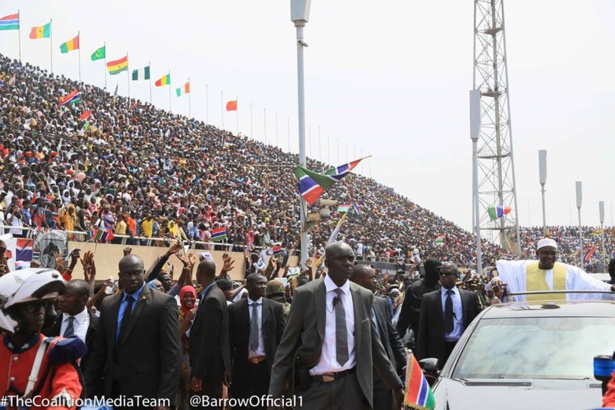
x=70, y=45
x=231, y=105
x=10, y=22
x=343, y=208
x=336, y=230
x=87, y=114
x=218, y=234
x=117, y=66
x=588, y=255
x=140, y=74
x=164, y=80
x=498, y=211
x=187, y=88
x=99, y=54
x=41, y=31
x=418, y=393
x=312, y=184
x=178, y=91
x=357, y=211
x=440, y=240
x=73, y=97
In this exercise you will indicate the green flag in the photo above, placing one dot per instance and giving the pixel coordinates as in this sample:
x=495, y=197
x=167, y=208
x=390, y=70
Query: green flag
x=179, y=92
x=99, y=54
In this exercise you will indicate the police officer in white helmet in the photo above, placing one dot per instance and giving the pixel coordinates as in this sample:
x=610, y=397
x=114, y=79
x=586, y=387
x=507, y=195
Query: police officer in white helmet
x=32, y=366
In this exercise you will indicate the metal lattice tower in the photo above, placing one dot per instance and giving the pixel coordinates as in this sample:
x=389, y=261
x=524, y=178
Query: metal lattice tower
x=496, y=171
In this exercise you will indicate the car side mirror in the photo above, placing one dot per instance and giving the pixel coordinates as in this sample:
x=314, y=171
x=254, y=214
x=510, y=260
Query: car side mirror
x=604, y=366
x=430, y=369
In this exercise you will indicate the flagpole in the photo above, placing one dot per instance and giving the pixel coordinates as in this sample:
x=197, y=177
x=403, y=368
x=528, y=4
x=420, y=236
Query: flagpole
x=206, y=104
x=222, y=106
x=189, y=100
x=79, y=37
x=105, y=67
x=237, y=115
x=19, y=33
x=51, y=43
x=149, y=65
x=127, y=76
x=170, y=109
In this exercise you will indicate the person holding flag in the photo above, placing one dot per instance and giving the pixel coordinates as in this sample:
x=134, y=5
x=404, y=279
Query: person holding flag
x=547, y=274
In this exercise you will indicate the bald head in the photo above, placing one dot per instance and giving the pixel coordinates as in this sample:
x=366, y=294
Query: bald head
x=131, y=262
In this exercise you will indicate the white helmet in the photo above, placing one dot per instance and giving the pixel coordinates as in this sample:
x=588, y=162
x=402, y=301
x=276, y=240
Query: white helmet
x=26, y=285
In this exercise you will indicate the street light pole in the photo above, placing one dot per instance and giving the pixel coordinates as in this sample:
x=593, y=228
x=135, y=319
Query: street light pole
x=299, y=14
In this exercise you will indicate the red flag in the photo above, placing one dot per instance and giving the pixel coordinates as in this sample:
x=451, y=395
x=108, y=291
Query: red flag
x=231, y=106
x=85, y=115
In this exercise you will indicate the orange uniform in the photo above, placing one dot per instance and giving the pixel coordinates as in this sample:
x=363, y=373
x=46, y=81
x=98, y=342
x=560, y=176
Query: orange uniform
x=62, y=383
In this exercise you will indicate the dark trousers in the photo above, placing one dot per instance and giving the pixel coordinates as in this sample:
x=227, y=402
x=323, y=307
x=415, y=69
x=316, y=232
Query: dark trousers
x=341, y=394
x=383, y=396
x=253, y=381
x=211, y=387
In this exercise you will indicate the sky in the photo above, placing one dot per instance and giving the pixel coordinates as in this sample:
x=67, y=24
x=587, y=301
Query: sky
x=388, y=79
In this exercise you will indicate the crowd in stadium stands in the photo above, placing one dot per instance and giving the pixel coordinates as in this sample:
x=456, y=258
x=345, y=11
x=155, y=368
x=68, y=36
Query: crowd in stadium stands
x=136, y=170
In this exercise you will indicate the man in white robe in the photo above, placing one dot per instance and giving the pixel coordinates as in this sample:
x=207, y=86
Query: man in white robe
x=546, y=274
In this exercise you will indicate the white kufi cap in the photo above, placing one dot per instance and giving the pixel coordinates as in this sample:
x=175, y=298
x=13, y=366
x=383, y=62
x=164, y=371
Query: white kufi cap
x=546, y=242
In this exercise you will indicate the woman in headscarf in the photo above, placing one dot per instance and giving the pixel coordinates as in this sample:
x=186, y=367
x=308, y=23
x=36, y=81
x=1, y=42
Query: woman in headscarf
x=187, y=310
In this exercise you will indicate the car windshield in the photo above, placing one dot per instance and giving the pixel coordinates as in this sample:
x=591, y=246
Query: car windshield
x=535, y=348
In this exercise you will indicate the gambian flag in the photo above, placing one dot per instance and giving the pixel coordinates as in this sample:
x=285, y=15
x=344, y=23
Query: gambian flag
x=73, y=97
x=357, y=211
x=164, y=80
x=499, y=211
x=117, y=66
x=41, y=31
x=277, y=250
x=312, y=184
x=24, y=250
x=418, y=393
x=218, y=234
x=10, y=22
x=588, y=255
x=343, y=208
x=70, y=45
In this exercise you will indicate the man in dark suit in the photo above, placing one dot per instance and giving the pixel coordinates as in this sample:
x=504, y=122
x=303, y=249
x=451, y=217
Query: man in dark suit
x=210, y=357
x=445, y=314
x=331, y=342
x=75, y=319
x=137, y=348
x=256, y=325
x=365, y=276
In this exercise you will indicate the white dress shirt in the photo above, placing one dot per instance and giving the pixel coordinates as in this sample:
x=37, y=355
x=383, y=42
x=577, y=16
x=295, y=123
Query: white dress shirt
x=260, y=351
x=328, y=356
x=457, y=314
x=80, y=324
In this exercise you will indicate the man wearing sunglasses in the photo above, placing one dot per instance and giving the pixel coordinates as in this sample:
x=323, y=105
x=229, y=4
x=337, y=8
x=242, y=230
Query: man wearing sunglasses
x=445, y=314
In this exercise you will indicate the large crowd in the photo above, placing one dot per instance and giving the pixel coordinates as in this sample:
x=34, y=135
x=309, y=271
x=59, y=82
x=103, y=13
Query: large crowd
x=144, y=172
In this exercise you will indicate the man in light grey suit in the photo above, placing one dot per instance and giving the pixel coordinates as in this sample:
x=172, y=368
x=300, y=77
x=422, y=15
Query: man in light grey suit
x=330, y=344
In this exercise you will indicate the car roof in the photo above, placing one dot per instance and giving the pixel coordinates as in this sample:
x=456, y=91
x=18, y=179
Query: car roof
x=550, y=308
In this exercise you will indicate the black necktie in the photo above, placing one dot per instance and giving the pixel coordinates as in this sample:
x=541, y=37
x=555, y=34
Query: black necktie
x=70, y=329
x=254, y=327
x=126, y=317
x=448, y=312
x=341, y=333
